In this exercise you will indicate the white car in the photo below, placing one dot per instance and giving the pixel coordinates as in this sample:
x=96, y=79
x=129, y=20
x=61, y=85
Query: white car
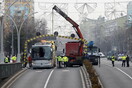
x=101, y=55
x=119, y=58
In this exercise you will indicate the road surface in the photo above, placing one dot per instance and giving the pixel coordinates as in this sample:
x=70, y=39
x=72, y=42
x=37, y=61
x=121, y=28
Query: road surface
x=50, y=78
x=114, y=77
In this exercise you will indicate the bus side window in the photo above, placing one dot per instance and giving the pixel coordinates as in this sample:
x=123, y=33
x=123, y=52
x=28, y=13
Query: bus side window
x=41, y=52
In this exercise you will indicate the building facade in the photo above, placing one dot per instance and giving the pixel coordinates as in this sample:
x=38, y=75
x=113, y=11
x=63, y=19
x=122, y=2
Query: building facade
x=129, y=13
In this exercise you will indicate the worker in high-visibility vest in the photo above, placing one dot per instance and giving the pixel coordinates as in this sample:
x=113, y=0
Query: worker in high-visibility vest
x=65, y=59
x=113, y=60
x=123, y=61
x=59, y=59
x=13, y=59
x=6, y=60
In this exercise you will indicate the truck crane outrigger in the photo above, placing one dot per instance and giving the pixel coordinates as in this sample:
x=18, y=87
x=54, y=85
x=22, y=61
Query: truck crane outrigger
x=74, y=50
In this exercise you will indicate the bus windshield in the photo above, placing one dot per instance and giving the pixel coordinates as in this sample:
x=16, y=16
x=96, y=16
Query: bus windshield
x=41, y=52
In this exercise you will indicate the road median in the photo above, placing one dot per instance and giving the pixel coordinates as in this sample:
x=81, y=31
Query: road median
x=92, y=76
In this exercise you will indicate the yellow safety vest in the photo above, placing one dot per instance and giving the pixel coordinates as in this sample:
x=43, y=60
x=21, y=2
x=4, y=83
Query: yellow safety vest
x=113, y=58
x=123, y=57
x=65, y=59
x=59, y=58
x=13, y=58
x=6, y=59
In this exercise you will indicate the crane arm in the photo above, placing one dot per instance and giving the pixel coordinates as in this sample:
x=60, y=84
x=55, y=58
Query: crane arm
x=69, y=20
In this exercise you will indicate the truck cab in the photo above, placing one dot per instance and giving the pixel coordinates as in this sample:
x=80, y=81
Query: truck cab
x=93, y=55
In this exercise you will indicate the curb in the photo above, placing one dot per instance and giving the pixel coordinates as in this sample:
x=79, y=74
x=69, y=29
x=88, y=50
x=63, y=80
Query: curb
x=86, y=77
x=99, y=80
x=13, y=78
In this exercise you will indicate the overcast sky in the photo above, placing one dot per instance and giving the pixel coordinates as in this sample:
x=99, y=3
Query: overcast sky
x=97, y=11
x=45, y=6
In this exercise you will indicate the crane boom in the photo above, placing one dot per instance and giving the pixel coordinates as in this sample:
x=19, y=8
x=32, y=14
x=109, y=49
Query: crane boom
x=69, y=20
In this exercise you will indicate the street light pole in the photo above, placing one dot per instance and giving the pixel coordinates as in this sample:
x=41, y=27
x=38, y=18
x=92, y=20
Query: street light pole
x=52, y=21
x=1, y=33
x=12, y=31
x=12, y=47
x=1, y=29
x=18, y=36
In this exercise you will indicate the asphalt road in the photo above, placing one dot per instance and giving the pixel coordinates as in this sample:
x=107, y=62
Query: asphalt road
x=114, y=77
x=50, y=78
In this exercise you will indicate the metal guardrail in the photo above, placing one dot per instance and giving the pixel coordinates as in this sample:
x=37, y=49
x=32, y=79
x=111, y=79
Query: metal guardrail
x=9, y=69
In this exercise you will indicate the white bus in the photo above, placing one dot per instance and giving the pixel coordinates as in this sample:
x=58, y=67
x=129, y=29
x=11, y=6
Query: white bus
x=43, y=55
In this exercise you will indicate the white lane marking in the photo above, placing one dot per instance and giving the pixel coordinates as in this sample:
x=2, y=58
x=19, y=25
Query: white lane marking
x=38, y=71
x=13, y=81
x=83, y=83
x=65, y=70
x=124, y=72
x=48, y=79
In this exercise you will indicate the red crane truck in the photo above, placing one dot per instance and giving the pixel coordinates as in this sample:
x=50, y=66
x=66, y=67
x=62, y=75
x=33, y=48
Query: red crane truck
x=74, y=50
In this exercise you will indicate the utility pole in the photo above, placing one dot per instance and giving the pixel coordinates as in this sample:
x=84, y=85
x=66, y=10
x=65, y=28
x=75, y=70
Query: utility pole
x=1, y=35
x=52, y=21
x=18, y=35
x=12, y=47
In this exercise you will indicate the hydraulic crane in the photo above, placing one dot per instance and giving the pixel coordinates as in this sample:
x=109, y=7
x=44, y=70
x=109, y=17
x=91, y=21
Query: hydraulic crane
x=74, y=50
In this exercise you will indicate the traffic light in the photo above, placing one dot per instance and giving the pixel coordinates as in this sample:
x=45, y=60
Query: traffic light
x=72, y=35
x=38, y=33
x=56, y=33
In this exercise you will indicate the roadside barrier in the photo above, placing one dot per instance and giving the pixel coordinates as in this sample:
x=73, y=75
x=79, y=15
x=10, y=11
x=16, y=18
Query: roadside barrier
x=13, y=79
x=9, y=69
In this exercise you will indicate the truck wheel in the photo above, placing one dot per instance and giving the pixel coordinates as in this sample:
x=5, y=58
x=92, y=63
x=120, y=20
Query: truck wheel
x=81, y=64
x=70, y=65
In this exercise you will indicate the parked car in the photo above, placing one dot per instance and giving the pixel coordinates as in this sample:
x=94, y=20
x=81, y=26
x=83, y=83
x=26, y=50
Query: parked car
x=101, y=55
x=119, y=58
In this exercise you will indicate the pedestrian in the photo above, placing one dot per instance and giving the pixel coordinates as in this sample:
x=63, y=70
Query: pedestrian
x=6, y=60
x=113, y=60
x=123, y=60
x=13, y=58
x=30, y=60
x=59, y=59
x=127, y=60
x=65, y=59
